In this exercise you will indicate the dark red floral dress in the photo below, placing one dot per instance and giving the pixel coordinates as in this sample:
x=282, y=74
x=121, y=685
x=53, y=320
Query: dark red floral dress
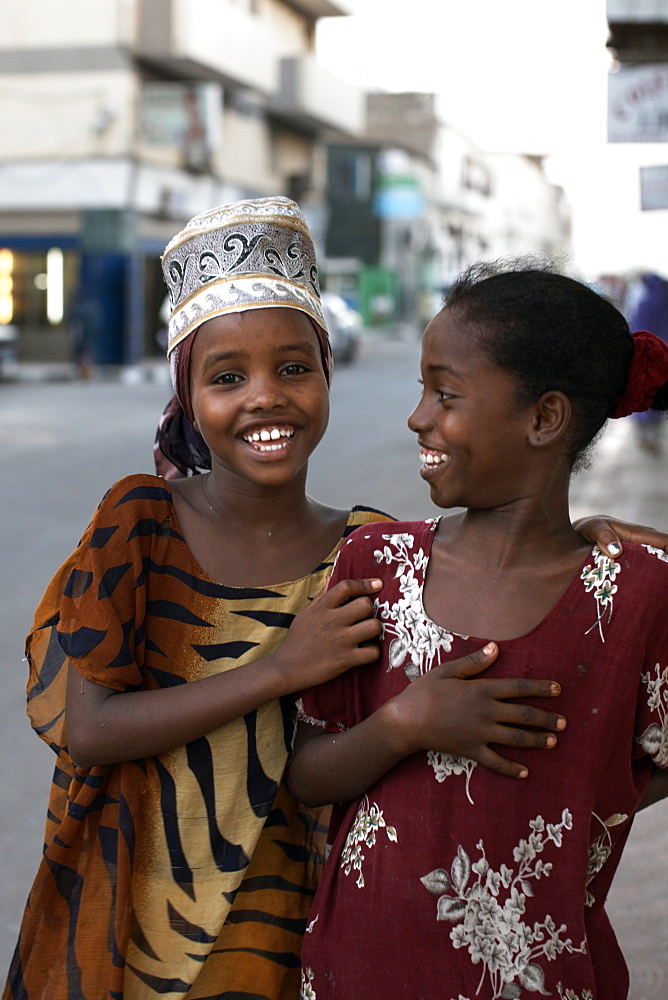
x=448, y=882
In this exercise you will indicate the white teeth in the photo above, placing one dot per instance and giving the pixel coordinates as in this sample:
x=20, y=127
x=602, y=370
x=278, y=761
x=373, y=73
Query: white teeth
x=273, y=447
x=429, y=458
x=265, y=435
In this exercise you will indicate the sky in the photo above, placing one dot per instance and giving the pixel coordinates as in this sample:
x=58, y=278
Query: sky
x=519, y=76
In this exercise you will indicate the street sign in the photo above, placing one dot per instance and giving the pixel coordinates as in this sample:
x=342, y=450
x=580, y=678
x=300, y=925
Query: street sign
x=638, y=104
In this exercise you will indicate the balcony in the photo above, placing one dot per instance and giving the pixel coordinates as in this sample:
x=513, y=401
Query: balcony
x=192, y=39
x=647, y=11
x=318, y=8
x=311, y=98
x=638, y=30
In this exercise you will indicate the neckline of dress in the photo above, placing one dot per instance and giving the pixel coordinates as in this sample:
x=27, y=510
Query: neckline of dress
x=474, y=638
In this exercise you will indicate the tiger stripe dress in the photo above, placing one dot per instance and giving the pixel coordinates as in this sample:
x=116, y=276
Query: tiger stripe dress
x=189, y=874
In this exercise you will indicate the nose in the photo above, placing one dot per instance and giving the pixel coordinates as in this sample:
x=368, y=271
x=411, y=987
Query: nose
x=265, y=392
x=419, y=419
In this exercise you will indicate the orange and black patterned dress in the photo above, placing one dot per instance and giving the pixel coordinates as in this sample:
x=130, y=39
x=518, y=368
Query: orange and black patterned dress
x=189, y=874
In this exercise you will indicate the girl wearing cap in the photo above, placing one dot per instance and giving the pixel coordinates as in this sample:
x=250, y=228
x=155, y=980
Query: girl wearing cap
x=164, y=654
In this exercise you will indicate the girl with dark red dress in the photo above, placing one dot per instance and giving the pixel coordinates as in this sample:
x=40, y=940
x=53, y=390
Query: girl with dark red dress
x=446, y=882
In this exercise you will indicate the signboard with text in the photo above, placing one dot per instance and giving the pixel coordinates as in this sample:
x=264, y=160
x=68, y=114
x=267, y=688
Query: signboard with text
x=638, y=104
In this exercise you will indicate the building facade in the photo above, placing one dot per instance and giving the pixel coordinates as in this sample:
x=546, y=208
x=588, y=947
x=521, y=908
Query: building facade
x=120, y=123
x=415, y=201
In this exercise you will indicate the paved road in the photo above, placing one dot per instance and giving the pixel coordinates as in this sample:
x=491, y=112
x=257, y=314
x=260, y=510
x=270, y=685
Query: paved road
x=63, y=443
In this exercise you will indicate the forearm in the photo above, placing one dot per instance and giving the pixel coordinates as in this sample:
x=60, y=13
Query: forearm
x=337, y=767
x=326, y=638
x=107, y=727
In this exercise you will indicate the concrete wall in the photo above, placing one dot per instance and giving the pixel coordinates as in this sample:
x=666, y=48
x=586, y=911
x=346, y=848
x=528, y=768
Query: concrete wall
x=63, y=115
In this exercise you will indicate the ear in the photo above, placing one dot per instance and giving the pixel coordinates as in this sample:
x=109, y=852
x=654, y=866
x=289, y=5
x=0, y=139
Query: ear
x=551, y=418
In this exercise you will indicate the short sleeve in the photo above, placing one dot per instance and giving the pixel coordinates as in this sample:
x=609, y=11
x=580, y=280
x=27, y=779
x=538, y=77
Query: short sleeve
x=330, y=706
x=103, y=607
x=92, y=613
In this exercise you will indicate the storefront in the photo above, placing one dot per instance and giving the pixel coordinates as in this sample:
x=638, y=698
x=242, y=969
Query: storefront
x=45, y=278
x=37, y=275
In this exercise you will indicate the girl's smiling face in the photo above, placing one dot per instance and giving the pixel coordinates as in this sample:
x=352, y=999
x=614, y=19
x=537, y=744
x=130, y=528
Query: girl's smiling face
x=259, y=393
x=471, y=426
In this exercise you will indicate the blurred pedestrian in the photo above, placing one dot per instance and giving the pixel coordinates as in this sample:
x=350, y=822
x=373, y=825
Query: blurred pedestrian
x=84, y=324
x=648, y=310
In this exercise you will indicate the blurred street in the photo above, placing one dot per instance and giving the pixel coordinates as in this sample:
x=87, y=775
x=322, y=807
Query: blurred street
x=62, y=443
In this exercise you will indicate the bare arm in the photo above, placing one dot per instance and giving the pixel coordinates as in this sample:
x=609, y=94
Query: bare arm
x=444, y=710
x=609, y=531
x=106, y=726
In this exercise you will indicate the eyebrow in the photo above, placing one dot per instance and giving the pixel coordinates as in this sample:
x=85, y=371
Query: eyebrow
x=216, y=357
x=448, y=369
x=301, y=345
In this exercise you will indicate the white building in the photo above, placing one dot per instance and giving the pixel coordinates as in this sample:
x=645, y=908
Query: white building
x=528, y=214
x=121, y=119
x=438, y=203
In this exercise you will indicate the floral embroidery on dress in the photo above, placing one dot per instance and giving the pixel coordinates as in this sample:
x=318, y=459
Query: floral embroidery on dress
x=654, y=740
x=659, y=553
x=495, y=934
x=445, y=764
x=369, y=820
x=415, y=635
x=572, y=995
x=599, y=851
x=307, y=992
x=600, y=578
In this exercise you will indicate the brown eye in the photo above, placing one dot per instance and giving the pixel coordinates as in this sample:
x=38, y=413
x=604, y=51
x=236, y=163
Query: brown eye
x=295, y=369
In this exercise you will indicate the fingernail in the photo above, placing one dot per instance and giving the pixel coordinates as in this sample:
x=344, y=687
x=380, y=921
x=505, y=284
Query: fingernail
x=551, y=741
x=614, y=549
x=376, y=584
x=489, y=648
x=555, y=688
x=561, y=723
x=523, y=774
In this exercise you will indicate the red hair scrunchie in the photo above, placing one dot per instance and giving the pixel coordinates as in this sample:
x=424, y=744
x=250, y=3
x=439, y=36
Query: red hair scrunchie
x=648, y=371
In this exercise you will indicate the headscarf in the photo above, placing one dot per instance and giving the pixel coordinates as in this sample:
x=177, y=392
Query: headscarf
x=250, y=254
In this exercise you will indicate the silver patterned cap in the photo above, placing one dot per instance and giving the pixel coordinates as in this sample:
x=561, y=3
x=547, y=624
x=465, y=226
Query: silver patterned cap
x=251, y=254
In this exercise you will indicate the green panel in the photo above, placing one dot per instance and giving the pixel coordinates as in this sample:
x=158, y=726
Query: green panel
x=378, y=296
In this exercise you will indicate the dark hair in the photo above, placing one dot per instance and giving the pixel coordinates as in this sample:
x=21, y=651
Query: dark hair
x=552, y=333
